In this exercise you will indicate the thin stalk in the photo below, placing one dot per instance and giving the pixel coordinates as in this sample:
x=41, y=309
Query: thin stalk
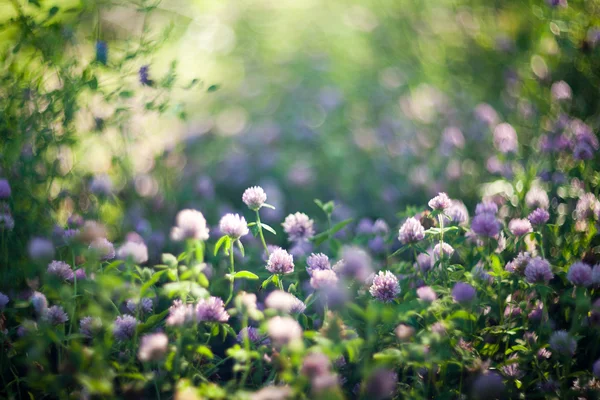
x=231, y=271
x=260, y=233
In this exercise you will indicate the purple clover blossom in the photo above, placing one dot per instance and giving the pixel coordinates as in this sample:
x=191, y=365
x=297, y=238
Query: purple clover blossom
x=7, y=221
x=385, y=286
x=40, y=249
x=56, y=315
x=190, y=224
x=134, y=252
x=355, y=263
x=284, y=302
x=283, y=330
x=440, y=202
x=39, y=303
x=596, y=369
x=588, y=207
x=153, y=347
x=298, y=227
x=380, y=227
x=89, y=326
x=411, y=231
x=180, y=314
x=315, y=364
x=562, y=343
x=426, y=294
x=463, y=293
x=538, y=217
x=364, y=227
x=4, y=299
x=537, y=197
x=444, y=248
x=144, y=76
x=234, y=226
x=5, y=191
x=512, y=369
x=124, y=327
x=322, y=279
x=580, y=274
x=145, y=305
x=480, y=274
x=104, y=249
x=458, y=213
x=318, y=261
x=211, y=310
x=519, y=263
x=488, y=385
x=486, y=207
x=538, y=271
x=254, y=197
x=505, y=138
x=61, y=270
x=485, y=224
x=561, y=91
x=520, y=227
x=253, y=334
x=280, y=262
x=424, y=262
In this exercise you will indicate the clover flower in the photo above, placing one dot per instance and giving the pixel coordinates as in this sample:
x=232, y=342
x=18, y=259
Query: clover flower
x=133, y=251
x=153, y=347
x=61, y=270
x=505, y=138
x=190, y=224
x=580, y=274
x=254, y=197
x=440, y=202
x=411, y=231
x=520, y=227
x=538, y=217
x=538, y=271
x=211, y=310
x=385, y=286
x=234, y=226
x=316, y=262
x=562, y=343
x=283, y=330
x=463, y=293
x=485, y=224
x=124, y=327
x=56, y=315
x=298, y=226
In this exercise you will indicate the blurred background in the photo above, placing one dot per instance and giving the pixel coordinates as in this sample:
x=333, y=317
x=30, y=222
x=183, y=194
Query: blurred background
x=127, y=112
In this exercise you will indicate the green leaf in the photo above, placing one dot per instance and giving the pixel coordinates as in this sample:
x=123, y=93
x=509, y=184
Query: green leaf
x=155, y=277
x=241, y=247
x=462, y=314
x=268, y=228
x=267, y=281
x=268, y=206
x=151, y=322
x=220, y=243
x=340, y=225
x=205, y=351
x=212, y=88
x=203, y=280
x=245, y=275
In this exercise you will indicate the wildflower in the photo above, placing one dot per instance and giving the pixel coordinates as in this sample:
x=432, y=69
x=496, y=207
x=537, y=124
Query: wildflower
x=519, y=263
x=385, y=286
x=512, y=369
x=480, y=274
x=404, y=332
x=488, y=385
x=316, y=262
x=190, y=224
x=438, y=328
x=315, y=364
x=80, y=274
x=133, y=251
x=254, y=197
x=505, y=138
x=39, y=302
x=145, y=305
x=298, y=227
x=101, y=52
x=538, y=271
x=486, y=207
x=124, y=327
x=144, y=76
x=211, y=310
x=153, y=347
x=7, y=221
x=463, y=293
x=458, y=213
x=596, y=369
x=40, y=249
x=424, y=262
x=520, y=227
x=588, y=207
x=485, y=224
x=61, y=270
x=440, y=202
x=56, y=315
x=580, y=274
x=280, y=262
x=538, y=217
x=283, y=330
x=486, y=114
x=426, y=294
x=562, y=343
x=253, y=335
x=355, y=263
x=380, y=227
x=561, y=91
x=411, y=231
x=444, y=248
x=323, y=278
x=89, y=326
x=180, y=314
x=5, y=191
x=234, y=226
x=4, y=299
x=101, y=185
x=284, y=302
x=381, y=384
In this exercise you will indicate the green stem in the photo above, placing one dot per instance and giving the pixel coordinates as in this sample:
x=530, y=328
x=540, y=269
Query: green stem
x=260, y=233
x=231, y=271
